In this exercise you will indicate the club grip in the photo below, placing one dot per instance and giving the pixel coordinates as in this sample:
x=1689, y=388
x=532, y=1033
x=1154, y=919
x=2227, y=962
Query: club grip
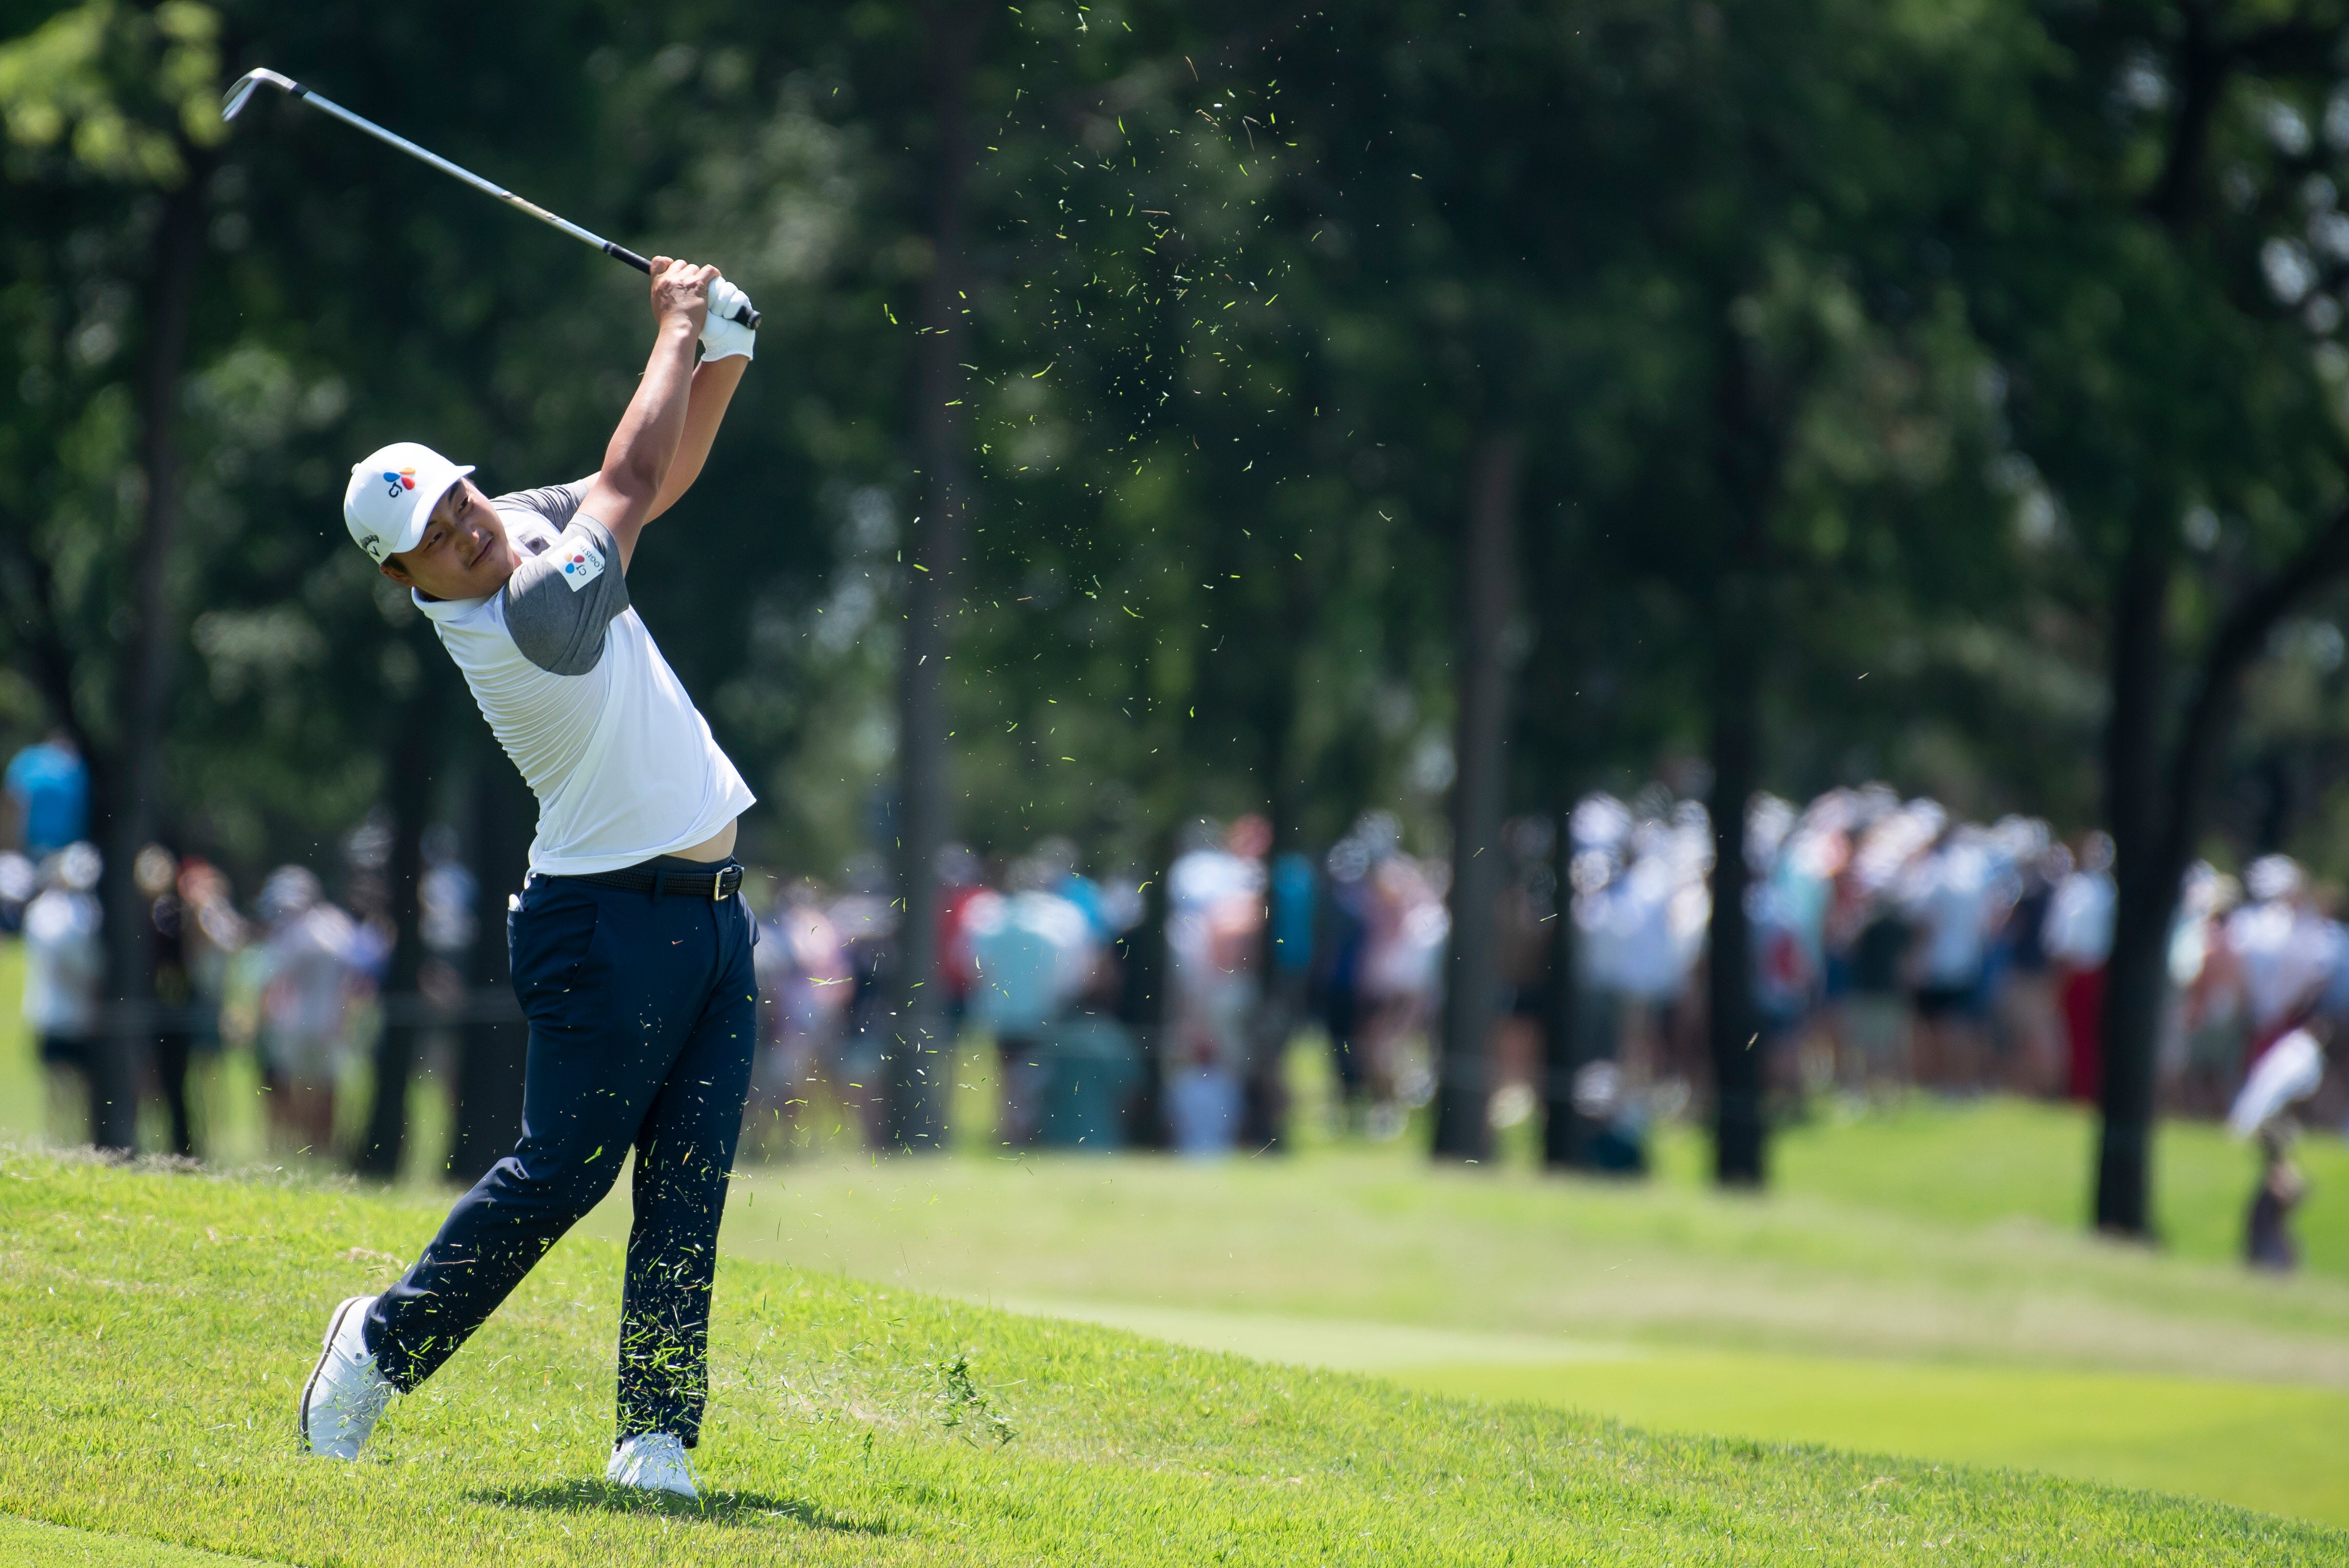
x=747, y=316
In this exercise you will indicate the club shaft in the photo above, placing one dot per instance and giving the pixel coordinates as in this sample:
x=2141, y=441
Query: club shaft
x=618, y=253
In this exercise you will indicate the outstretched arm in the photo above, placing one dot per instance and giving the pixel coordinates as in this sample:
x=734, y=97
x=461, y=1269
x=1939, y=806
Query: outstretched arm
x=644, y=449
x=704, y=409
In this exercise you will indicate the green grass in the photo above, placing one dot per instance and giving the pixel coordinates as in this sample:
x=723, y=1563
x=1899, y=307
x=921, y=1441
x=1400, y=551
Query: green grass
x=2259, y=1445
x=20, y=1074
x=1878, y=1298
x=1382, y=1237
x=175, y=1315
x=2271, y=1447
x=53, y=1546
x=1917, y=1280
x=1992, y=1161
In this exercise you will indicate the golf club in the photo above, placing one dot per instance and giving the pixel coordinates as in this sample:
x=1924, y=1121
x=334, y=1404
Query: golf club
x=241, y=91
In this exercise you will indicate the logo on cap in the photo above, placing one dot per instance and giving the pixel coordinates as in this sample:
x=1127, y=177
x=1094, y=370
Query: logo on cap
x=404, y=480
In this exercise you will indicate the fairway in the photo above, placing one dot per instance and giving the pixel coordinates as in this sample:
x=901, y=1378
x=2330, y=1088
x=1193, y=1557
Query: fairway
x=2258, y=1445
x=1899, y=1291
x=2262, y=1447
x=861, y=1423
x=1911, y=1286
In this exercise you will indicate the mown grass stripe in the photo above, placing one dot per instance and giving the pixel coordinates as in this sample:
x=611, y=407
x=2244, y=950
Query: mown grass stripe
x=32, y=1542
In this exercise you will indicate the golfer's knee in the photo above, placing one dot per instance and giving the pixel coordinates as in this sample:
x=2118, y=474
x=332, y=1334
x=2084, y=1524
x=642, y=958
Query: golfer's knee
x=551, y=1181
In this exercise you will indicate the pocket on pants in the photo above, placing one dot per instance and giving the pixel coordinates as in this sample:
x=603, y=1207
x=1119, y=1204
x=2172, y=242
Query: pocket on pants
x=549, y=939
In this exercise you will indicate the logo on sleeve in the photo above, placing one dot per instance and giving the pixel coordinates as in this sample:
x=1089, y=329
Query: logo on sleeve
x=582, y=563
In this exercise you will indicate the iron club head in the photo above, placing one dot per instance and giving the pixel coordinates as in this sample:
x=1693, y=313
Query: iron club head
x=240, y=90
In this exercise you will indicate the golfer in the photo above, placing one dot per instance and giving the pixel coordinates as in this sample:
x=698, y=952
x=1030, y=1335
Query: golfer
x=631, y=947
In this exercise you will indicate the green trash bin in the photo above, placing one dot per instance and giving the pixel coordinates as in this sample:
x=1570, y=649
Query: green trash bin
x=1087, y=1069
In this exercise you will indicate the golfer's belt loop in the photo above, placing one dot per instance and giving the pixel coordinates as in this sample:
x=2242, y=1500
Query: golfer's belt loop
x=658, y=878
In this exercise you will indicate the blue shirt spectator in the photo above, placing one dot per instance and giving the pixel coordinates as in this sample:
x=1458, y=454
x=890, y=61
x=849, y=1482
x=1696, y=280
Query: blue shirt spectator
x=49, y=786
x=1293, y=890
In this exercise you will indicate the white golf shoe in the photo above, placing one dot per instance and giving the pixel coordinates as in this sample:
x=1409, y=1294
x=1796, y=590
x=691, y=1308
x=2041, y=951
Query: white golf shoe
x=345, y=1393
x=652, y=1461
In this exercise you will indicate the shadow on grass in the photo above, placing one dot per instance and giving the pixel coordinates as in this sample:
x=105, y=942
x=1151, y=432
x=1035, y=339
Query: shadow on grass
x=730, y=1508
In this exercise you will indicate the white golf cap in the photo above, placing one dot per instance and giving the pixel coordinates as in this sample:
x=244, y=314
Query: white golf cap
x=392, y=494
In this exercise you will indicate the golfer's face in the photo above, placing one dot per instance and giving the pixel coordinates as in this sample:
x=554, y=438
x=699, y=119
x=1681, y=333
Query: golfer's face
x=463, y=554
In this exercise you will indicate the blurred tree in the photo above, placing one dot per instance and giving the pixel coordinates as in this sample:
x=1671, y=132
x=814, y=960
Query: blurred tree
x=2162, y=275
x=1685, y=240
x=110, y=117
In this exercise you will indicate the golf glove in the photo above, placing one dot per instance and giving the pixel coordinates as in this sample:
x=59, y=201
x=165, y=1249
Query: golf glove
x=721, y=335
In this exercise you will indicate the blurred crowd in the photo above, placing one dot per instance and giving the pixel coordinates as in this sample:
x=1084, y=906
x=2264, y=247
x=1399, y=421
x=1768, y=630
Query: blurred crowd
x=1101, y=1031
x=1895, y=948
x=1030, y=956
x=293, y=980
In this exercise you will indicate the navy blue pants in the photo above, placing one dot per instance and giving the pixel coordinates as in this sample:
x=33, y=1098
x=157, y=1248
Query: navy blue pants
x=643, y=1020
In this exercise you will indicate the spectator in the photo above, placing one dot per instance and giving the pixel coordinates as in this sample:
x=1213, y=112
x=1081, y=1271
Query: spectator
x=2281, y=947
x=2212, y=1018
x=65, y=965
x=211, y=934
x=2029, y=1023
x=804, y=986
x=19, y=880
x=866, y=920
x=2079, y=939
x=1215, y=922
x=1337, y=972
x=1949, y=900
x=47, y=787
x=310, y=984
x=1032, y=953
x=156, y=873
x=1875, y=1018
x=2269, y=1244
x=2288, y=1074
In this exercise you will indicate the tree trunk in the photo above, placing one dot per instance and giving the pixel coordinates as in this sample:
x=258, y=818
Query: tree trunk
x=2133, y=812
x=2155, y=827
x=1479, y=793
x=1748, y=456
x=410, y=787
x=1565, y=1133
x=916, y=1065
x=1732, y=1021
x=1143, y=1007
x=2154, y=830
x=495, y=1052
x=149, y=657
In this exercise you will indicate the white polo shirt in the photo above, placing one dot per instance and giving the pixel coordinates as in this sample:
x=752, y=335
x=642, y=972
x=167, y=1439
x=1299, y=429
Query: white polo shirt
x=621, y=760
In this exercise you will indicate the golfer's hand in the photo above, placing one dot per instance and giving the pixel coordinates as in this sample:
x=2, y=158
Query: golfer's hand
x=722, y=337
x=681, y=289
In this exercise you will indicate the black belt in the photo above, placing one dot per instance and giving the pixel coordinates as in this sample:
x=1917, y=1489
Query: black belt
x=716, y=887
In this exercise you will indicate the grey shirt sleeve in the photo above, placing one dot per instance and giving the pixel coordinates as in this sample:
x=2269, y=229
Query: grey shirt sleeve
x=556, y=503
x=558, y=605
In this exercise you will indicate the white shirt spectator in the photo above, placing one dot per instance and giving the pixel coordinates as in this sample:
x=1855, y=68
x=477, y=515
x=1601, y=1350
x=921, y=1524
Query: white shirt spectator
x=2079, y=930
x=64, y=963
x=2286, y=954
x=310, y=957
x=1950, y=901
